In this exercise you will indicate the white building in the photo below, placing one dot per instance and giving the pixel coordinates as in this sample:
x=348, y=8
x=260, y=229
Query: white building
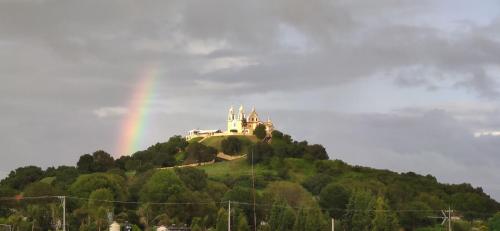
x=202, y=133
x=240, y=124
x=237, y=124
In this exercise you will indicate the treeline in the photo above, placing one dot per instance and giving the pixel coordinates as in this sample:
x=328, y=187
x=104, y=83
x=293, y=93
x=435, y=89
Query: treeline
x=296, y=188
x=356, y=195
x=283, y=146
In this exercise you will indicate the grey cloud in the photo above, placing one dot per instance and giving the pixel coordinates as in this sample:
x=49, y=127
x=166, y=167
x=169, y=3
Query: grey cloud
x=481, y=82
x=428, y=142
x=350, y=41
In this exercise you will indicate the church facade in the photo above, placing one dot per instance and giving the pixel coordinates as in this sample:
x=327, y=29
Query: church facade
x=237, y=124
x=241, y=124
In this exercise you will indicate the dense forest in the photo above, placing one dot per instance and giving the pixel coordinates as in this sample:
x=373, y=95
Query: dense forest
x=292, y=186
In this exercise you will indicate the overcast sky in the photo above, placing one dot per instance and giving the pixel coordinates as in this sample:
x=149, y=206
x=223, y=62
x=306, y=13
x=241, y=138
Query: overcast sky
x=395, y=84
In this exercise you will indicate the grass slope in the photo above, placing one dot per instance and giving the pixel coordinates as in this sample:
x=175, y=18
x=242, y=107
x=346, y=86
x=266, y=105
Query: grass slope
x=196, y=139
x=234, y=168
x=215, y=142
x=300, y=169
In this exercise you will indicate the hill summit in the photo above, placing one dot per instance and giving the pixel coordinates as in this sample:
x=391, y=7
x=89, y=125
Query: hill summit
x=237, y=124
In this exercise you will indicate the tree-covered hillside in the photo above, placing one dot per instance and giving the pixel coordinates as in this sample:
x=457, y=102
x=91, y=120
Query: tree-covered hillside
x=296, y=188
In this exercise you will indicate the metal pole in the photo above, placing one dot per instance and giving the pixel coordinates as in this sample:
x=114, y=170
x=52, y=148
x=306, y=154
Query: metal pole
x=63, y=199
x=449, y=218
x=333, y=224
x=64, y=213
x=253, y=185
x=229, y=217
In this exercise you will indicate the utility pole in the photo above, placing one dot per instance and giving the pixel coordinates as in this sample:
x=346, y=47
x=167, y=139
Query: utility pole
x=449, y=218
x=446, y=217
x=63, y=198
x=253, y=187
x=229, y=217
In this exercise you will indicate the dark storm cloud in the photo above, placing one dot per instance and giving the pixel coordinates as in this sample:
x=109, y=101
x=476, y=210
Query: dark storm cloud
x=69, y=69
x=345, y=39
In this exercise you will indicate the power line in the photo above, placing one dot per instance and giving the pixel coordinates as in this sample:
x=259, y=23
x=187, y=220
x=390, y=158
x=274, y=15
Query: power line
x=146, y=202
x=111, y=201
x=225, y=202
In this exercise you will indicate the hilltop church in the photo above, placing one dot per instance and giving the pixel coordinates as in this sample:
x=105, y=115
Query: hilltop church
x=237, y=124
x=242, y=125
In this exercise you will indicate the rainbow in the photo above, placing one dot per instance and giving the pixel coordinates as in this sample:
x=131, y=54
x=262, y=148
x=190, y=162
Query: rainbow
x=134, y=124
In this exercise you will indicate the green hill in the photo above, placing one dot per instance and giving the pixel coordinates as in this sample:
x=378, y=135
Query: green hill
x=216, y=142
x=296, y=188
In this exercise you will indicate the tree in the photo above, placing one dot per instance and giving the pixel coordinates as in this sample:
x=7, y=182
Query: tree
x=5, y=205
x=292, y=193
x=262, y=152
x=242, y=223
x=131, y=164
x=193, y=178
x=162, y=185
x=120, y=162
x=260, y=131
x=473, y=205
x=86, y=163
x=200, y=153
x=41, y=214
x=99, y=161
x=300, y=221
x=315, y=220
x=40, y=189
x=196, y=227
x=216, y=190
x=99, y=206
x=65, y=175
x=244, y=195
x=494, y=222
x=277, y=134
x=359, y=211
x=177, y=143
x=103, y=161
x=281, y=217
x=23, y=176
x=334, y=199
x=86, y=184
x=221, y=220
x=164, y=159
x=200, y=204
x=197, y=224
x=417, y=215
x=231, y=145
x=317, y=182
x=316, y=152
x=280, y=148
x=384, y=219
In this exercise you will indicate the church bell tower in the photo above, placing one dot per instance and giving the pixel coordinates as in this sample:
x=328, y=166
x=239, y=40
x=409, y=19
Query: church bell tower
x=231, y=120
